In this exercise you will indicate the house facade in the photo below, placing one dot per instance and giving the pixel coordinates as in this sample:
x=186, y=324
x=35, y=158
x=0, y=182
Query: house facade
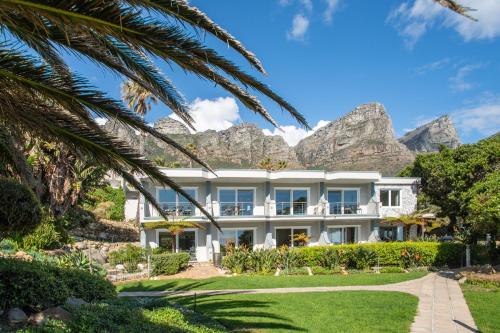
x=267, y=209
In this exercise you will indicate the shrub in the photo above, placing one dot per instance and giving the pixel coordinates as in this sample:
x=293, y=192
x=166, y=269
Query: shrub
x=107, y=202
x=8, y=246
x=392, y=269
x=130, y=256
x=404, y=254
x=36, y=286
x=290, y=259
x=45, y=236
x=364, y=258
x=482, y=282
x=319, y=270
x=20, y=210
x=237, y=260
x=77, y=217
x=78, y=260
x=329, y=259
x=168, y=263
x=264, y=261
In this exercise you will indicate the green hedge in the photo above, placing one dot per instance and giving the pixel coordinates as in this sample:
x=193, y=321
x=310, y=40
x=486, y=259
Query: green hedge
x=168, y=263
x=403, y=254
x=36, y=285
x=130, y=256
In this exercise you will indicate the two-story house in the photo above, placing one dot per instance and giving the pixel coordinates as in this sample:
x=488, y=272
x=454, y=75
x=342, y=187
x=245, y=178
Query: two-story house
x=266, y=209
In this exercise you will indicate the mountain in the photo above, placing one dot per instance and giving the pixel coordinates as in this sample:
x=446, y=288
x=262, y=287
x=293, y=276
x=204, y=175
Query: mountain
x=429, y=137
x=363, y=139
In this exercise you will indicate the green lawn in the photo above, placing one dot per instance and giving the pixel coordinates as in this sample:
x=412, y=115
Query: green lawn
x=352, y=311
x=484, y=304
x=259, y=281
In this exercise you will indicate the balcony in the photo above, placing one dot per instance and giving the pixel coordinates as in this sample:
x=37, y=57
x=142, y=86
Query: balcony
x=178, y=209
x=352, y=208
x=236, y=209
x=287, y=208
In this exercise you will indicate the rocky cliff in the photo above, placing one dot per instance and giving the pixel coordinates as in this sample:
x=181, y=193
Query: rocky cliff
x=430, y=136
x=363, y=139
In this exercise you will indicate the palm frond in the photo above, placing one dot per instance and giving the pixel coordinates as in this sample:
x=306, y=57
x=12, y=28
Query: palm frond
x=457, y=8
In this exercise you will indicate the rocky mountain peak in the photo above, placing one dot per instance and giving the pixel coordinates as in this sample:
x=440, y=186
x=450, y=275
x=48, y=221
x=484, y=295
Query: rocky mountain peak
x=168, y=125
x=430, y=136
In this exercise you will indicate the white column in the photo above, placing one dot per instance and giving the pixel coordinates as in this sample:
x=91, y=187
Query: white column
x=400, y=233
x=143, y=238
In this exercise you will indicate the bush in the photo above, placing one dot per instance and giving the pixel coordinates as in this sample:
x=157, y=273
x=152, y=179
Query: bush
x=169, y=263
x=20, y=210
x=264, y=261
x=107, y=202
x=290, y=259
x=483, y=283
x=392, y=269
x=36, y=286
x=8, y=246
x=130, y=256
x=45, y=236
x=78, y=260
x=364, y=258
x=237, y=260
x=403, y=254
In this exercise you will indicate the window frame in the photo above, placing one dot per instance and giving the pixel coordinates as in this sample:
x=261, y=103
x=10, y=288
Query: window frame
x=157, y=232
x=292, y=228
x=254, y=230
x=342, y=189
x=177, y=195
x=236, y=188
x=357, y=228
x=291, y=189
x=390, y=190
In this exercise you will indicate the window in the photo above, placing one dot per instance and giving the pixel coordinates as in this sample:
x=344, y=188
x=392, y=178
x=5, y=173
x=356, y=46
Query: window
x=388, y=233
x=184, y=242
x=390, y=198
x=291, y=236
x=176, y=204
x=236, y=238
x=291, y=202
x=343, y=201
x=343, y=235
x=236, y=202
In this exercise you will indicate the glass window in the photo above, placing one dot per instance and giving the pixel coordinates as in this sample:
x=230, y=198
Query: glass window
x=166, y=241
x=284, y=236
x=335, y=201
x=235, y=238
x=350, y=202
x=299, y=202
x=174, y=203
x=395, y=198
x=227, y=196
x=283, y=199
x=342, y=235
x=245, y=202
x=390, y=198
x=384, y=197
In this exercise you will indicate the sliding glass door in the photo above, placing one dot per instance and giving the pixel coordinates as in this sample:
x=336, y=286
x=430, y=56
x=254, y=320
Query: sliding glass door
x=343, y=235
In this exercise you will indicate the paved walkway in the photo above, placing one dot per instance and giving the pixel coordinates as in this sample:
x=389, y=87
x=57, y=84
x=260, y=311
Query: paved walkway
x=441, y=306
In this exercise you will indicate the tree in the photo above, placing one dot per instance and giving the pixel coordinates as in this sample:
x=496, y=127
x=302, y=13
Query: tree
x=137, y=98
x=42, y=95
x=268, y=164
x=484, y=204
x=460, y=181
x=194, y=150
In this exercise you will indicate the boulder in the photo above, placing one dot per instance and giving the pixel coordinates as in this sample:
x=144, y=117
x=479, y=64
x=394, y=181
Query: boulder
x=487, y=269
x=73, y=301
x=16, y=316
x=51, y=313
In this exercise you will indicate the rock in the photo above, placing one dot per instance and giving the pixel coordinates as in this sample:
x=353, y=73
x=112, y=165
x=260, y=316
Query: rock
x=120, y=267
x=81, y=245
x=429, y=137
x=73, y=301
x=16, y=316
x=170, y=126
x=486, y=269
x=57, y=312
x=278, y=271
x=141, y=266
x=103, y=236
x=343, y=271
x=309, y=271
x=462, y=280
x=361, y=140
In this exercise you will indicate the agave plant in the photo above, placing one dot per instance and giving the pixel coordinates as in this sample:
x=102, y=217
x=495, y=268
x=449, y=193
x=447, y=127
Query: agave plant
x=41, y=95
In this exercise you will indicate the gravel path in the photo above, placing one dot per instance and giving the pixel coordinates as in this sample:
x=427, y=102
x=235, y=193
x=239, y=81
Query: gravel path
x=441, y=307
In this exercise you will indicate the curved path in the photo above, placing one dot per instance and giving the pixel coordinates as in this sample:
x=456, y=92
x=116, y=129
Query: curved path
x=441, y=307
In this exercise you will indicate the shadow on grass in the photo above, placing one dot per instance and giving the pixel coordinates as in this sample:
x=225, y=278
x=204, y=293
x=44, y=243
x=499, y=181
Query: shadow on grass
x=175, y=285
x=239, y=315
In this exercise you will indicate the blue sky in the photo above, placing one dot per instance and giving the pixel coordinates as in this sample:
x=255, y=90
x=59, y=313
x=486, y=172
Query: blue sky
x=327, y=56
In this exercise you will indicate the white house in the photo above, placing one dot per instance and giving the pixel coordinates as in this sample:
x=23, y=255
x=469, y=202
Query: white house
x=265, y=209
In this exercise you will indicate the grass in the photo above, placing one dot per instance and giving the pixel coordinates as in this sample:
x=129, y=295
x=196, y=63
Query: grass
x=259, y=281
x=352, y=311
x=484, y=304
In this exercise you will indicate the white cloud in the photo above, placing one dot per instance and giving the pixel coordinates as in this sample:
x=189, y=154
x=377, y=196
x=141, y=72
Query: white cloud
x=432, y=66
x=293, y=134
x=459, y=81
x=414, y=18
x=308, y=5
x=101, y=121
x=483, y=119
x=215, y=114
x=331, y=7
x=300, y=24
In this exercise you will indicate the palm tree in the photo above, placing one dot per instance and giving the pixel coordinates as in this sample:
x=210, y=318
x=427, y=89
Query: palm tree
x=173, y=227
x=42, y=95
x=137, y=98
x=194, y=150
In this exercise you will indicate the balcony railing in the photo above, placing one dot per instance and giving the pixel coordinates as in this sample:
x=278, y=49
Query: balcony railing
x=178, y=209
x=236, y=209
x=294, y=208
x=345, y=208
